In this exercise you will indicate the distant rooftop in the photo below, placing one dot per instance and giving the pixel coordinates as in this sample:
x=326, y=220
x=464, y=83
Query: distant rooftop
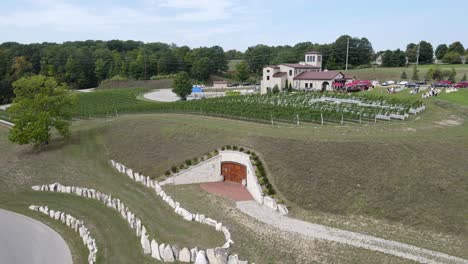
x=313, y=52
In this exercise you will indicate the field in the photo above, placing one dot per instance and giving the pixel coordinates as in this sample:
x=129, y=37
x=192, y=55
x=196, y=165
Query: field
x=303, y=107
x=383, y=74
x=405, y=181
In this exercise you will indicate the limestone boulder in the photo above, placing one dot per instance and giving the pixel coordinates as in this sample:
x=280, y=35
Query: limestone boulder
x=145, y=244
x=185, y=255
x=282, y=209
x=201, y=258
x=176, y=251
x=155, y=250
x=233, y=259
x=270, y=203
x=193, y=254
x=168, y=254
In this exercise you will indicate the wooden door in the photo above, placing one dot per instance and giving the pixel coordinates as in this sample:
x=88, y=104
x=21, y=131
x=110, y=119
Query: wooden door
x=233, y=172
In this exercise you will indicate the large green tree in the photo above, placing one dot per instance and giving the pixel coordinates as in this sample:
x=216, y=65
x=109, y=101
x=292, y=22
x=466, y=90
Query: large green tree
x=452, y=58
x=242, y=71
x=456, y=47
x=182, y=85
x=440, y=51
x=41, y=104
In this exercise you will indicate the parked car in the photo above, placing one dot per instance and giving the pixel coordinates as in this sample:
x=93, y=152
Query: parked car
x=390, y=82
x=246, y=84
x=403, y=83
x=411, y=85
x=234, y=85
x=461, y=85
x=421, y=82
x=440, y=85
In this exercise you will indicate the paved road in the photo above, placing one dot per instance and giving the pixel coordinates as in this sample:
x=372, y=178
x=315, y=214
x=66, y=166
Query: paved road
x=315, y=231
x=163, y=95
x=24, y=240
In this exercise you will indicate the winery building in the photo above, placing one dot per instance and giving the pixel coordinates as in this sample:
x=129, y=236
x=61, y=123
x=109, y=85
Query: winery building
x=307, y=75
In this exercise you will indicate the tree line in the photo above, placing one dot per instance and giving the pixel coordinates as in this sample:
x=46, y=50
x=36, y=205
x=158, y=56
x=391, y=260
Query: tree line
x=84, y=64
x=423, y=53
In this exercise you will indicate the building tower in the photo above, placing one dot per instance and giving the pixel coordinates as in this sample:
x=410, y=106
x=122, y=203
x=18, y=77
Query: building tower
x=314, y=58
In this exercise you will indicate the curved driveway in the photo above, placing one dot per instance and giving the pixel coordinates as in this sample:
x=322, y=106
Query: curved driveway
x=25, y=240
x=162, y=95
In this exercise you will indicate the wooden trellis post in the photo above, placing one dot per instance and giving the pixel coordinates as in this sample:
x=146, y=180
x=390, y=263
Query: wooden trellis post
x=321, y=117
x=297, y=118
x=341, y=119
x=360, y=119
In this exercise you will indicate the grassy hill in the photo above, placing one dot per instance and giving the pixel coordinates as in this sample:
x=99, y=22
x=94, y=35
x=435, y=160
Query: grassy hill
x=405, y=181
x=383, y=74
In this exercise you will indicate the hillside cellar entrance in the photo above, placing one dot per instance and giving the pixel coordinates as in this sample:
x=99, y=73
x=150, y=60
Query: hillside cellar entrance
x=233, y=172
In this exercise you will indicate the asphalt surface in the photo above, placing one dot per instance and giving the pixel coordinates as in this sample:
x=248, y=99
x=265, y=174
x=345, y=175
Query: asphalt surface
x=24, y=240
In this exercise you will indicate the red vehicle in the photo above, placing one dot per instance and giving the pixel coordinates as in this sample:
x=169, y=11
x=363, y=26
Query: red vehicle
x=461, y=85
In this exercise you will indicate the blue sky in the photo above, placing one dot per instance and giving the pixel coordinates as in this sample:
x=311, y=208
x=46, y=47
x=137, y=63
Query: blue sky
x=235, y=24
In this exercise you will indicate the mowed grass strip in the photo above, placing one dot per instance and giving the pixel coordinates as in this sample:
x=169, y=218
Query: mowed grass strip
x=83, y=161
x=384, y=73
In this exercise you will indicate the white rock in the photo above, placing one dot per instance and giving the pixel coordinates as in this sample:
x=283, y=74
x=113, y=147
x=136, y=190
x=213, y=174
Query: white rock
x=193, y=254
x=270, y=202
x=184, y=255
x=201, y=258
x=175, y=251
x=161, y=250
x=283, y=209
x=168, y=254
x=210, y=222
x=145, y=244
x=221, y=255
x=36, y=188
x=233, y=259
x=155, y=250
x=219, y=226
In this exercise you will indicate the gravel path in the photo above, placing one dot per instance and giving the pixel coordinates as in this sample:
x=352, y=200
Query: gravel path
x=25, y=240
x=4, y=107
x=315, y=231
x=163, y=95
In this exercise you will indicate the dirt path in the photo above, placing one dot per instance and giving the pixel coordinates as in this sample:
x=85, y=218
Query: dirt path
x=315, y=231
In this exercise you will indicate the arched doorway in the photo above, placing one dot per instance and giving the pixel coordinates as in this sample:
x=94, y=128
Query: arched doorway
x=325, y=86
x=233, y=172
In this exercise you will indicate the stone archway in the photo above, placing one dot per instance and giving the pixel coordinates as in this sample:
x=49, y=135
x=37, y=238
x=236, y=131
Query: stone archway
x=325, y=86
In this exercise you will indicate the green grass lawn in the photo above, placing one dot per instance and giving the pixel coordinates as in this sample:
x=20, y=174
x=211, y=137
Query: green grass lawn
x=383, y=73
x=460, y=97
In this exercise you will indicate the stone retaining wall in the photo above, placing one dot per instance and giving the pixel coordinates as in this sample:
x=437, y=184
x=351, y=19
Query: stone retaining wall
x=75, y=224
x=162, y=252
x=206, y=171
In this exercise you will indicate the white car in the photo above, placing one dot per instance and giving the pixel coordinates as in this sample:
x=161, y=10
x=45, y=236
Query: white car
x=403, y=83
x=390, y=82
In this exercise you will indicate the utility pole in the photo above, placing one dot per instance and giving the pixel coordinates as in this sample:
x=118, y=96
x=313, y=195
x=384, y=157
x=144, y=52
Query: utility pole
x=347, y=54
x=417, y=55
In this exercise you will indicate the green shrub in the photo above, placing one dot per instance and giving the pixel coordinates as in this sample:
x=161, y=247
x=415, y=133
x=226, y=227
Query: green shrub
x=234, y=147
x=228, y=147
x=188, y=162
x=174, y=169
x=167, y=173
x=241, y=149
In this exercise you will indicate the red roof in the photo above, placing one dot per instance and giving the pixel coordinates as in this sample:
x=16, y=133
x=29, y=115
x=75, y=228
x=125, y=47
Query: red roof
x=279, y=74
x=272, y=66
x=300, y=66
x=324, y=75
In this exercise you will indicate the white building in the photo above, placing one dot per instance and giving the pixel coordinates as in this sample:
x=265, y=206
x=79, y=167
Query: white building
x=304, y=75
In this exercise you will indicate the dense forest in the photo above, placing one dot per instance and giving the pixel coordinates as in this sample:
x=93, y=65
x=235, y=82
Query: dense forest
x=84, y=64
